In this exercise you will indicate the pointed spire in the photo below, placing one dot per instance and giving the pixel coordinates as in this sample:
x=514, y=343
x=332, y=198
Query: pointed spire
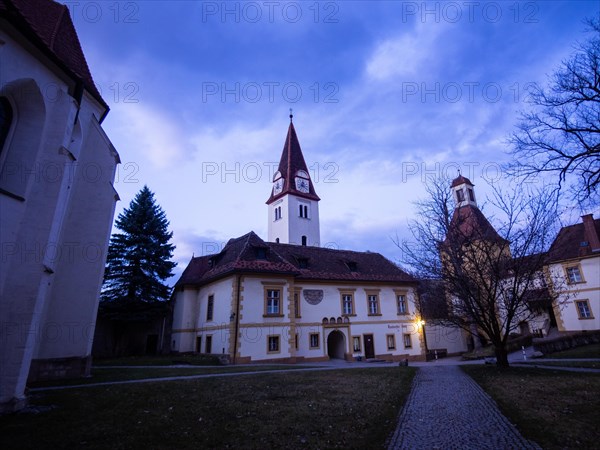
x=292, y=166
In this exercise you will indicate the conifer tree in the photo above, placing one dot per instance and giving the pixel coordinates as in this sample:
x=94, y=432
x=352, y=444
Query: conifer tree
x=139, y=258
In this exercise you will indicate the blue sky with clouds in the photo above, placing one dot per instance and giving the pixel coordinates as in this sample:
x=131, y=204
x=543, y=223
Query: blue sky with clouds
x=384, y=93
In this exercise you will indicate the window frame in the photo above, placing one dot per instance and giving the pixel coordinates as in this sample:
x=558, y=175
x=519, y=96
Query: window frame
x=407, y=340
x=404, y=295
x=208, y=344
x=276, y=287
x=349, y=293
x=276, y=338
x=210, y=308
x=297, y=303
x=577, y=267
x=355, y=348
x=585, y=302
x=390, y=339
x=318, y=341
x=373, y=300
x=460, y=195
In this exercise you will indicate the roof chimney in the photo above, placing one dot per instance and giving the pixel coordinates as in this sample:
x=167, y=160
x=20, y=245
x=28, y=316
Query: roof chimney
x=590, y=233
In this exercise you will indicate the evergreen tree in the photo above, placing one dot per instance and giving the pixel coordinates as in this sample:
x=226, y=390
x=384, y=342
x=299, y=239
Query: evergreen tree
x=139, y=258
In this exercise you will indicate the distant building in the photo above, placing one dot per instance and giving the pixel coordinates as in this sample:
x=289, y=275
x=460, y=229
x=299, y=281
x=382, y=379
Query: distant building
x=289, y=300
x=575, y=258
x=57, y=199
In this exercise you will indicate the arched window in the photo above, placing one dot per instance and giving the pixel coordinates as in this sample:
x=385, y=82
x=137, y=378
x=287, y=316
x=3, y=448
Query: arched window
x=6, y=117
x=303, y=240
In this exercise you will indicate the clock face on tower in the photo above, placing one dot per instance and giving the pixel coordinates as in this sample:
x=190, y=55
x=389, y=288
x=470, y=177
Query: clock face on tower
x=278, y=186
x=302, y=185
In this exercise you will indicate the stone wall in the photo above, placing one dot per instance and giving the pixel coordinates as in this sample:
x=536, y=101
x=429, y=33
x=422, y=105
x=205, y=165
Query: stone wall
x=566, y=342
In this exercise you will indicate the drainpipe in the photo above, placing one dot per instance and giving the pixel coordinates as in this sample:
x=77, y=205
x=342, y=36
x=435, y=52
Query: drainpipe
x=237, y=317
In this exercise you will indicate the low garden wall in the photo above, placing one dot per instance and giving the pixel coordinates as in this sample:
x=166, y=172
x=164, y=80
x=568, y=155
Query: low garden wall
x=565, y=342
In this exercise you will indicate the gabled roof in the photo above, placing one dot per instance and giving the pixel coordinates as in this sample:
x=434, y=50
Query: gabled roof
x=469, y=223
x=48, y=26
x=250, y=254
x=290, y=163
x=568, y=243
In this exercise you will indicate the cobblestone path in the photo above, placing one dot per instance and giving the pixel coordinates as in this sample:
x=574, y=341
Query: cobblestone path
x=446, y=409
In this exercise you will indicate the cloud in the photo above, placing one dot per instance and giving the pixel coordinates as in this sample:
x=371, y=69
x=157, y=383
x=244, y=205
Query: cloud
x=406, y=54
x=149, y=133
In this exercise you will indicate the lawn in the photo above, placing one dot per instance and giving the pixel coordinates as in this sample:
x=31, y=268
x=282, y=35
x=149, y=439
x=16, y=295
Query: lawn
x=103, y=374
x=556, y=409
x=587, y=351
x=163, y=360
x=580, y=364
x=353, y=408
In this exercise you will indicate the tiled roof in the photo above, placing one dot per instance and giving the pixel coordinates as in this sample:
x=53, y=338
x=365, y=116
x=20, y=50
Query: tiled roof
x=469, y=223
x=250, y=254
x=568, y=243
x=461, y=180
x=290, y=163
x=49, y=27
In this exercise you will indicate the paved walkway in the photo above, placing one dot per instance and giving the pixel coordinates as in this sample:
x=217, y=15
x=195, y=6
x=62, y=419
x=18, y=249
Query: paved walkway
x=446, y=409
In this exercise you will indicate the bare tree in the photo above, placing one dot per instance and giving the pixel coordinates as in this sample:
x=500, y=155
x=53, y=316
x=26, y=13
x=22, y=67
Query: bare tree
x=561, y=133
x=488, y=274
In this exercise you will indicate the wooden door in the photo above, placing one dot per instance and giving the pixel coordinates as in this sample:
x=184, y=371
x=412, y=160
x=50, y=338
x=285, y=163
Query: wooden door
x=369, y=346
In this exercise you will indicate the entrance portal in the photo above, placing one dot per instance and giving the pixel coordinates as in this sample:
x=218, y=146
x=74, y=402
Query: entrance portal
x=336, y=345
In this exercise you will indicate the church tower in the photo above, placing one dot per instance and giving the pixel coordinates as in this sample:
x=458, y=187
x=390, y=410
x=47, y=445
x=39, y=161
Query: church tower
x=293, y=204
x=463, y=191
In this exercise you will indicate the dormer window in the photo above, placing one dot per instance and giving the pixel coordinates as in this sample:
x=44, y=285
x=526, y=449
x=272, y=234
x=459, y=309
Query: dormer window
x=303, y=263
x=261, y=253
x=352, y=266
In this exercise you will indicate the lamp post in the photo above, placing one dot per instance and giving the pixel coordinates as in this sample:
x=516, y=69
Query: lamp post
x=421, y=324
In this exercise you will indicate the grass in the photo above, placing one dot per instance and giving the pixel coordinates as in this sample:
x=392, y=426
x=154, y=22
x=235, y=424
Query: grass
x=166, y=360
x=556, y=409
x=579, y=364
x=587, y=351
x=102, y=374
x=354, y=408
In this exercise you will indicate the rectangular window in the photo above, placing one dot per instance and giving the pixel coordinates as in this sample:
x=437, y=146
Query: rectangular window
x=210, y=308
x=314, y=340
x=407, y=341
x=574, y=274
x=471, y=195
x=391, y=341
x=373, y=302
x=303, y=211
x=273, y=302
x=296, y=341
x=297, y=305
x=356, y=343
x=273, y=344
x=460, y=195
x=208, y=344
x=347, y=304
x=583, y=309
x=402, y=305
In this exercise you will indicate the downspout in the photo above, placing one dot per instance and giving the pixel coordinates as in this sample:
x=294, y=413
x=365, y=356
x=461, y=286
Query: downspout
x=237, y=317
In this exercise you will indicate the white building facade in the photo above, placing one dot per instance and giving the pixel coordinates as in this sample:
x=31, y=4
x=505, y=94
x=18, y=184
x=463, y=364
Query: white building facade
x=260, y=301
x=56, y=196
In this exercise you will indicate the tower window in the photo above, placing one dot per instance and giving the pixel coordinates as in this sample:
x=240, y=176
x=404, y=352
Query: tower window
x=278, y=213
x=304, y=240
x=277, y=240
x=460, y=195
x=303, y=211
x=471, y=195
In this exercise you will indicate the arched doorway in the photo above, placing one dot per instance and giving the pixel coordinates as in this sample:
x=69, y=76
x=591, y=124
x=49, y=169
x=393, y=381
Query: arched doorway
x=336, y=345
